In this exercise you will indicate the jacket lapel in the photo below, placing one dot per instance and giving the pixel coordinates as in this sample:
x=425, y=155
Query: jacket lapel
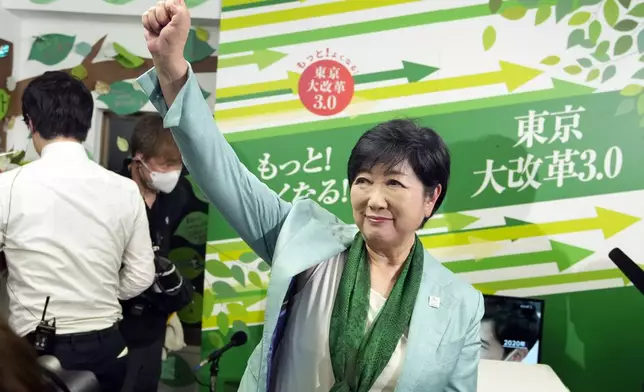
x=432, y=313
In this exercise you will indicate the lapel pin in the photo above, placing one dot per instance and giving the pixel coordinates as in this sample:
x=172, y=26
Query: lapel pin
x=434, y=302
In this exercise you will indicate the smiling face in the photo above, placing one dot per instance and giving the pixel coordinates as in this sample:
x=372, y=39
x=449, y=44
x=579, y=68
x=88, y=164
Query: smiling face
x=390, y=204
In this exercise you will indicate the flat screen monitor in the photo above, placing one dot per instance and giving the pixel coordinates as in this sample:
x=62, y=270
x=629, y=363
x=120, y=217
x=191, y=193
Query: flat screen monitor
x=512, y=328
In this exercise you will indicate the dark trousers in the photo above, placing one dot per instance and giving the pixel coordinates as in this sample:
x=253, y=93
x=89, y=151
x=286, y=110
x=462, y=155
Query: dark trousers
x=101, y=352
x=144, y=367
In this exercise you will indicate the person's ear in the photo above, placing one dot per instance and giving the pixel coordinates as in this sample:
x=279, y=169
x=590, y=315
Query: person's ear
x=430, y=199
x=517, y=355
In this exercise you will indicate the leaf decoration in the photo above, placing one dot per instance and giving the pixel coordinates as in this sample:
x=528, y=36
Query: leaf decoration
x=625, y=25
x=489, y=37
x=238, y=275
x=83, y=49
x=202, y=34
x=188, y=261
x=218, y=269
x=640, y=42
x=223, y=323
x=196, y=49
x=625, y=106
x=579, y=18
x=623, y=44
x=640, y=105
x=563, y=8
x=494, y=5
x=123, y=98
x=194, y=228
x=572, y=69
x=631, y=90
x=576, y=37
x=79, y=72
x=625, y=3
x=125, y=58
x=608, y=73
x=586, y=63
x=236, y=310
x=514, y=13
x=51, y=49
x=191, y=314
x=638, y=11
x=601, y=51
x=551, y=60
x=639, y=74
x=247, y=257
x=263, y=266
x=594, y=31
x=611, y=12
x=5, y=98
x=223, y=290
x=255, y=279
x=122, y=144
x=543, y=13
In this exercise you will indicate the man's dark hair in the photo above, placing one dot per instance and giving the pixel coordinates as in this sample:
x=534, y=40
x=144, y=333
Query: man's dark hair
x=512, y=320
x=398, y=141
x=58, y=105
x=152, y=140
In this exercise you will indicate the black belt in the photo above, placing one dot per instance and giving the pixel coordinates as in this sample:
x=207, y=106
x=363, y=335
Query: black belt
x=79, y=337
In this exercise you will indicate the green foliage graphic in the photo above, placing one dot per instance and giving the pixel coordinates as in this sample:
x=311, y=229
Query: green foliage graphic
x=196, y=49
x=123, y=98
x=51, y=49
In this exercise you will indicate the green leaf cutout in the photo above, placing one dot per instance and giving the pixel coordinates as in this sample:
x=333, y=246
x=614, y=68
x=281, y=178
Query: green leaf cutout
x=639, y=74
x=237, y=311
x=208, y=303
x=579, y=18
x=188, y=261
x=625, y=25
x=191, y=314
x=223, y=323
x=263, y=266
x=247, y=257
x=194, y=228
x=238, y=274
x=563, y=8
x=196, y=190
x=594, y=31
x=543, y=13
x=576, y=37
x=625, y=106
x=640, y=104
x=611, y=12
x=586, y=63
x=495, y=5
x=83, y=49
x=515, y=12
x=125, y=58
x=218, y=269
x=124, y=99
x=640, y=42
x=255, y=279
x=223, y=290
x=79, y=72
x=5, y=99
x=608, y=73
x=196, y=49
x=489, y=37
x=637, y=11
x=551, y=60
x=122, y=144
x=572, y=69
x=51, y=49
x=623, y=44
x=625, y=3
x=631, y=90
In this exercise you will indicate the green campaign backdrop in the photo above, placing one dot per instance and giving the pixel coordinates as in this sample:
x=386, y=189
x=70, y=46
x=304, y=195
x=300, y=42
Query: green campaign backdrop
x=541, y=105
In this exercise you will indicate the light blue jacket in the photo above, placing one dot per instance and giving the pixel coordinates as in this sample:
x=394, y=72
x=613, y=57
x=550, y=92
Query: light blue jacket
x=444, y=341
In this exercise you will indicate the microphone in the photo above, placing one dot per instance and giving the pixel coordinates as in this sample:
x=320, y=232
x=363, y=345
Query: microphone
x=628, y=267
x=239, y=338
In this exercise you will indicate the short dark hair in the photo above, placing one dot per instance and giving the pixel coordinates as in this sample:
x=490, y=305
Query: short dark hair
x=513, y=320
x=18, y=364
x=153, y=140
x=403, y=140
x=58, y=105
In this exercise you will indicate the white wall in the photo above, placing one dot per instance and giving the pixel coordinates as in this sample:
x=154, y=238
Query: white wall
x=99, y=19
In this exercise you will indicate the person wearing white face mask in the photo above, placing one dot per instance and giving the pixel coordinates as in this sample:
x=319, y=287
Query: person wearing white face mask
x=156, y=168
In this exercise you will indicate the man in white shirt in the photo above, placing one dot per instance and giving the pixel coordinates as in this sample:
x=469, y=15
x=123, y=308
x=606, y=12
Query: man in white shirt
x=73, y=231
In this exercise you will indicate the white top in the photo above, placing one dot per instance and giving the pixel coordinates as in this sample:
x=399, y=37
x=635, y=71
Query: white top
x=70, y=226
x=303, y=360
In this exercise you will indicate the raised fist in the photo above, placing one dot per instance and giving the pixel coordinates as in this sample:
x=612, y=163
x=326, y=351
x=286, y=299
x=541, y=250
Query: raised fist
x=167, y=26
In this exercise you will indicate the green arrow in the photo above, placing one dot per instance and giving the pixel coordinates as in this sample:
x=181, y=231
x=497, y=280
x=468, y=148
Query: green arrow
x=372, y=26
x=451, y=221
x=560, y=89
x=411, y=71
x=550, y=280
x=563, y=254
x=263, y=58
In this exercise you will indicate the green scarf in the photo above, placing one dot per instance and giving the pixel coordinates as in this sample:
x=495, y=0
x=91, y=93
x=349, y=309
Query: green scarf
x=358, y=357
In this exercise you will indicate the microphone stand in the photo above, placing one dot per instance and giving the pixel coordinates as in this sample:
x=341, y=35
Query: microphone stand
x=214, y=373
